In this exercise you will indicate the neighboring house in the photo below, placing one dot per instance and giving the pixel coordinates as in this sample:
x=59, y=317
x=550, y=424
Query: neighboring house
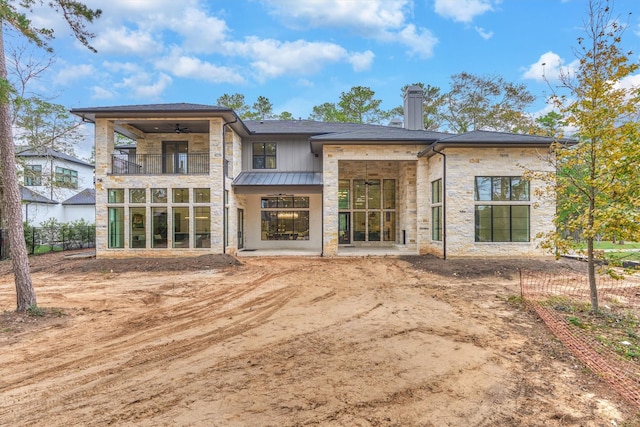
x=200, y=180
x=55, y=185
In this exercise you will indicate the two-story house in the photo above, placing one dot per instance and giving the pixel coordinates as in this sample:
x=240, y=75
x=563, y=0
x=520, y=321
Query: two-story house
x=201, y=180
x=55, y=185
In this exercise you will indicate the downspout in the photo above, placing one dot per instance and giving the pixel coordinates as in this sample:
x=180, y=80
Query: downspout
x=224, y=188
x=444, y=202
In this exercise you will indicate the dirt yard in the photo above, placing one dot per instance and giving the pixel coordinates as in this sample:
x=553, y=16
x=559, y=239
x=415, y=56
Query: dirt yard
x=215, y=341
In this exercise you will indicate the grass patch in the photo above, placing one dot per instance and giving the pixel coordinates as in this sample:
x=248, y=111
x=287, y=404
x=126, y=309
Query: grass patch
x=602, y=245
x=616, y=328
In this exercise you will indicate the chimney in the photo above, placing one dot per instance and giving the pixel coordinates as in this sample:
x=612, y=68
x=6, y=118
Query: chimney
x=413, y=108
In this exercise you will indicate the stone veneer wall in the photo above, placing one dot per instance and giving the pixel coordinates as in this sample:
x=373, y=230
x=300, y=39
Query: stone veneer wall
x=463, y=164
x=333, y=155
x=211, y=143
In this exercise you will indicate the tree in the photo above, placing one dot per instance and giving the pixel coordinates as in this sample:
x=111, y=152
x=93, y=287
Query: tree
x=486, y=102
x=550, y=124
x=356, y=106
x=262, y=109
x=235, y=102
x=285, y=115
x=327, y=112
x=76, y=15
x=597, y=180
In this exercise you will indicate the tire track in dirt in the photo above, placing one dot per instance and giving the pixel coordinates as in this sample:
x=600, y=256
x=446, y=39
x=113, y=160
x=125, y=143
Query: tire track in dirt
x=148, y=355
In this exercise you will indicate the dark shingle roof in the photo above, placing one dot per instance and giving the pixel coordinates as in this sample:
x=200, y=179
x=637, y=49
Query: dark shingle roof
x=31, y=196
x=48, y=152
x=85, y=197
x=151, y=108
x=278, y=178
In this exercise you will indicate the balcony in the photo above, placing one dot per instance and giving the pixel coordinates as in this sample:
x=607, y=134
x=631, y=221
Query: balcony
x=160, y=164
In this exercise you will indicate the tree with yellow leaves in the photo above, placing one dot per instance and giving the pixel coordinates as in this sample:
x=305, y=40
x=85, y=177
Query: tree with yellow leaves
x=597, y=178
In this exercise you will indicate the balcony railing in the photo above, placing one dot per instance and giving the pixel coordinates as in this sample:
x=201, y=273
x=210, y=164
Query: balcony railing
x=160, y=164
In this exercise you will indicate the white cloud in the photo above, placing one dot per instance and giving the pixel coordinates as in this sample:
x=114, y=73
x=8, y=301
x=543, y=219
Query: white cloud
x=143, y=85
x=384, y=20
x=273, y=58
x=484, y=34
x=364, y=16
x=550, y=66
x=191, y=67
x=124, y=41
x=72, y=73
x=419, y=42
x=361, y=61
x=629, y=82
x=463, y=10
x=101, y=93
x=202, y=33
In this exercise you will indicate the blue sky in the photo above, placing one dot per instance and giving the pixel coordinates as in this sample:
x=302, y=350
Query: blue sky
x=301, y=53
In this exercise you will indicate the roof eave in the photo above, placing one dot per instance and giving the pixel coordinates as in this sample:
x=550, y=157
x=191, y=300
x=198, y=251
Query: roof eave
x=432, y=149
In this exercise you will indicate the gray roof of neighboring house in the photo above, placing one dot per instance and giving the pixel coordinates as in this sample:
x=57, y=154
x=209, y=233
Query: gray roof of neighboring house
x=31, y=196
x=85, y=197
x=278, y=178
x=48, y=152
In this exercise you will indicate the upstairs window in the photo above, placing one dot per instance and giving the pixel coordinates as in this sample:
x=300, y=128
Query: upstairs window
x=32, y=175
x=264, y=155
x=67, y=178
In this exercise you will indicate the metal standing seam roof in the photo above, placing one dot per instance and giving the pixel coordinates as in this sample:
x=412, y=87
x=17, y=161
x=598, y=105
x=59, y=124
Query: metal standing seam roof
x=278, y=178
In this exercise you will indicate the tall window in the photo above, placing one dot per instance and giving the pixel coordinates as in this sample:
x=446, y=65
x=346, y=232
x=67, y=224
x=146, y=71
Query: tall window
x=285, y=218
x=264, y=155
x=32, y=175
x=116, y=227
x=372, y=210
x=436, y=210
x=66, y=177
x=497, y=221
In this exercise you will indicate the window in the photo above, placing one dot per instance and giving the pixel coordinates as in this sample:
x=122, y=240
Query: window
x=137, y=232
x=181, y=234
x=264, y=155
x=137, y=195
x=115, y=195
x=344, y=193
x=180, y=195
x=67, y=178
x=32, y=175
x=116, y=228
x=502, y=222
x=372, y=216
x=201, y=195
x=202, y=225
x=436, y=191
x=436, y=210
x=158, y=195
x=501, y=188
x=285, y=218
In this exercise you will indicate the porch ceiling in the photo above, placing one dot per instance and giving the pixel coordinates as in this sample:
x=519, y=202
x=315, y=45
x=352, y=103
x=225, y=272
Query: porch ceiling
x=165, y=126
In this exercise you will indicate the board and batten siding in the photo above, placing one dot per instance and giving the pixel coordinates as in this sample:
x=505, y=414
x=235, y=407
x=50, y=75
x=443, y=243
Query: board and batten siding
x=292, y=155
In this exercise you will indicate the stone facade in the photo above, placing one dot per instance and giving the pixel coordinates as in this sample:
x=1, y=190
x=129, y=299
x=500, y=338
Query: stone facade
x=463, y=164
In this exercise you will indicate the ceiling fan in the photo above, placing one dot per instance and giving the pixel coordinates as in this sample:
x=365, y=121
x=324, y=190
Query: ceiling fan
x=179, y=129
